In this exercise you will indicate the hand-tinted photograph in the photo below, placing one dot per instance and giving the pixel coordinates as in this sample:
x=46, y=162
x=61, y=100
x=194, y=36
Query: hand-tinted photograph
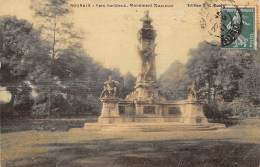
x=130, y=83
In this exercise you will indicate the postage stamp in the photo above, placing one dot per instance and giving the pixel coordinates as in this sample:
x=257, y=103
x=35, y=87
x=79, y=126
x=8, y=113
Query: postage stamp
x=238, y=27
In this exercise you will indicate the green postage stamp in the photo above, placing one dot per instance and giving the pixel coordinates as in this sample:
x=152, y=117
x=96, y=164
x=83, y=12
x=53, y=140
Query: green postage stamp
x=238, y=27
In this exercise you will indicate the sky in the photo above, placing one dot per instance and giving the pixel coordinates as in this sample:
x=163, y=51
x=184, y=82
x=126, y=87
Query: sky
x=110, y=34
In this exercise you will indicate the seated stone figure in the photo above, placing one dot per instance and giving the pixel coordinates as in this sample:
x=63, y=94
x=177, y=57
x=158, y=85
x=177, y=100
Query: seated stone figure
x=110, y=88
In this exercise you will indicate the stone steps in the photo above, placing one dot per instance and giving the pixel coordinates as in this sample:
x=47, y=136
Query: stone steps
x=152, y=127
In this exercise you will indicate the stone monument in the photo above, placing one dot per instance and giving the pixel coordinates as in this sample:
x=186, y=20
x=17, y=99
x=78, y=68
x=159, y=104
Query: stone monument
x=146, y=87
x=144, y=106
x=194, y=114
x=110, y=100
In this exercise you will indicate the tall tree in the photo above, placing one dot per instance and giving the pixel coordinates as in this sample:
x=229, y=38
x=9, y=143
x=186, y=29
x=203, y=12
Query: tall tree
x=202, y=68
x=55, y=25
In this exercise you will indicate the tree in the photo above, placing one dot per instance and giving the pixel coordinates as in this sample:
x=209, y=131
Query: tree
x=55, y=25
x=128, y=84
x=78, y=85
x=225, y=77
x=216, y=71
x=174, y=82
x=21, y=54
x=250, y=84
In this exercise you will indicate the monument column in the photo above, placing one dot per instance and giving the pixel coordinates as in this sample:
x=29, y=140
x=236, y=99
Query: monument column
x=146, y=51
x=146, y=85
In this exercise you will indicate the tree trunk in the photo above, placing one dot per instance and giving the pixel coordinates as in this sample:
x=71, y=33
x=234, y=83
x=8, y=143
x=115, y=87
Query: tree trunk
x=54, y=44
x=10, y=107
x=209, y=89
x=52, y=63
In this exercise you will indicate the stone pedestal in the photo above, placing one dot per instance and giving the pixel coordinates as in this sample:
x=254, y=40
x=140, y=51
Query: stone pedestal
x=110, y=111
x=144, y=108
x=193, y=113
x=145, y=91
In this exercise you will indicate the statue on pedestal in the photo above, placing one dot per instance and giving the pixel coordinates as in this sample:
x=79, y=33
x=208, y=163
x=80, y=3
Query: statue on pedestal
x=109, y=99
x=192, y=94
x=110, y=89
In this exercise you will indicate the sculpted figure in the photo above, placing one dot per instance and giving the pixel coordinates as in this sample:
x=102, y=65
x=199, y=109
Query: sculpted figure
x=192, y=94
x=147, y=58
x=110, y=88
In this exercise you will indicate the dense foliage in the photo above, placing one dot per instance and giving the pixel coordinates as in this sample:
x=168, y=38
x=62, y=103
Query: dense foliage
x=70, y=88
x=227, y=81
x=174, y=82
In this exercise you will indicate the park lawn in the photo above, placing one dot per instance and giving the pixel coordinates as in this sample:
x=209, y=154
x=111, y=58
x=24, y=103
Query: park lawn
x=79, y=147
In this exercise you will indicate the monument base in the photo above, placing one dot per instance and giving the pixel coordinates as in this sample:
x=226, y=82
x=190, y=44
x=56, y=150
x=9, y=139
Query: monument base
x=151, y=127
x=110, y=111
x=123, y=115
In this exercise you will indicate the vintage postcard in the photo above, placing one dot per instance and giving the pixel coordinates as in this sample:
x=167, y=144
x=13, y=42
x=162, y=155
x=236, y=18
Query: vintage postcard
x=130, y=83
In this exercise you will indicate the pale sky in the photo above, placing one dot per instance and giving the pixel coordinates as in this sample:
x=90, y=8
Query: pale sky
x=111, y=33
